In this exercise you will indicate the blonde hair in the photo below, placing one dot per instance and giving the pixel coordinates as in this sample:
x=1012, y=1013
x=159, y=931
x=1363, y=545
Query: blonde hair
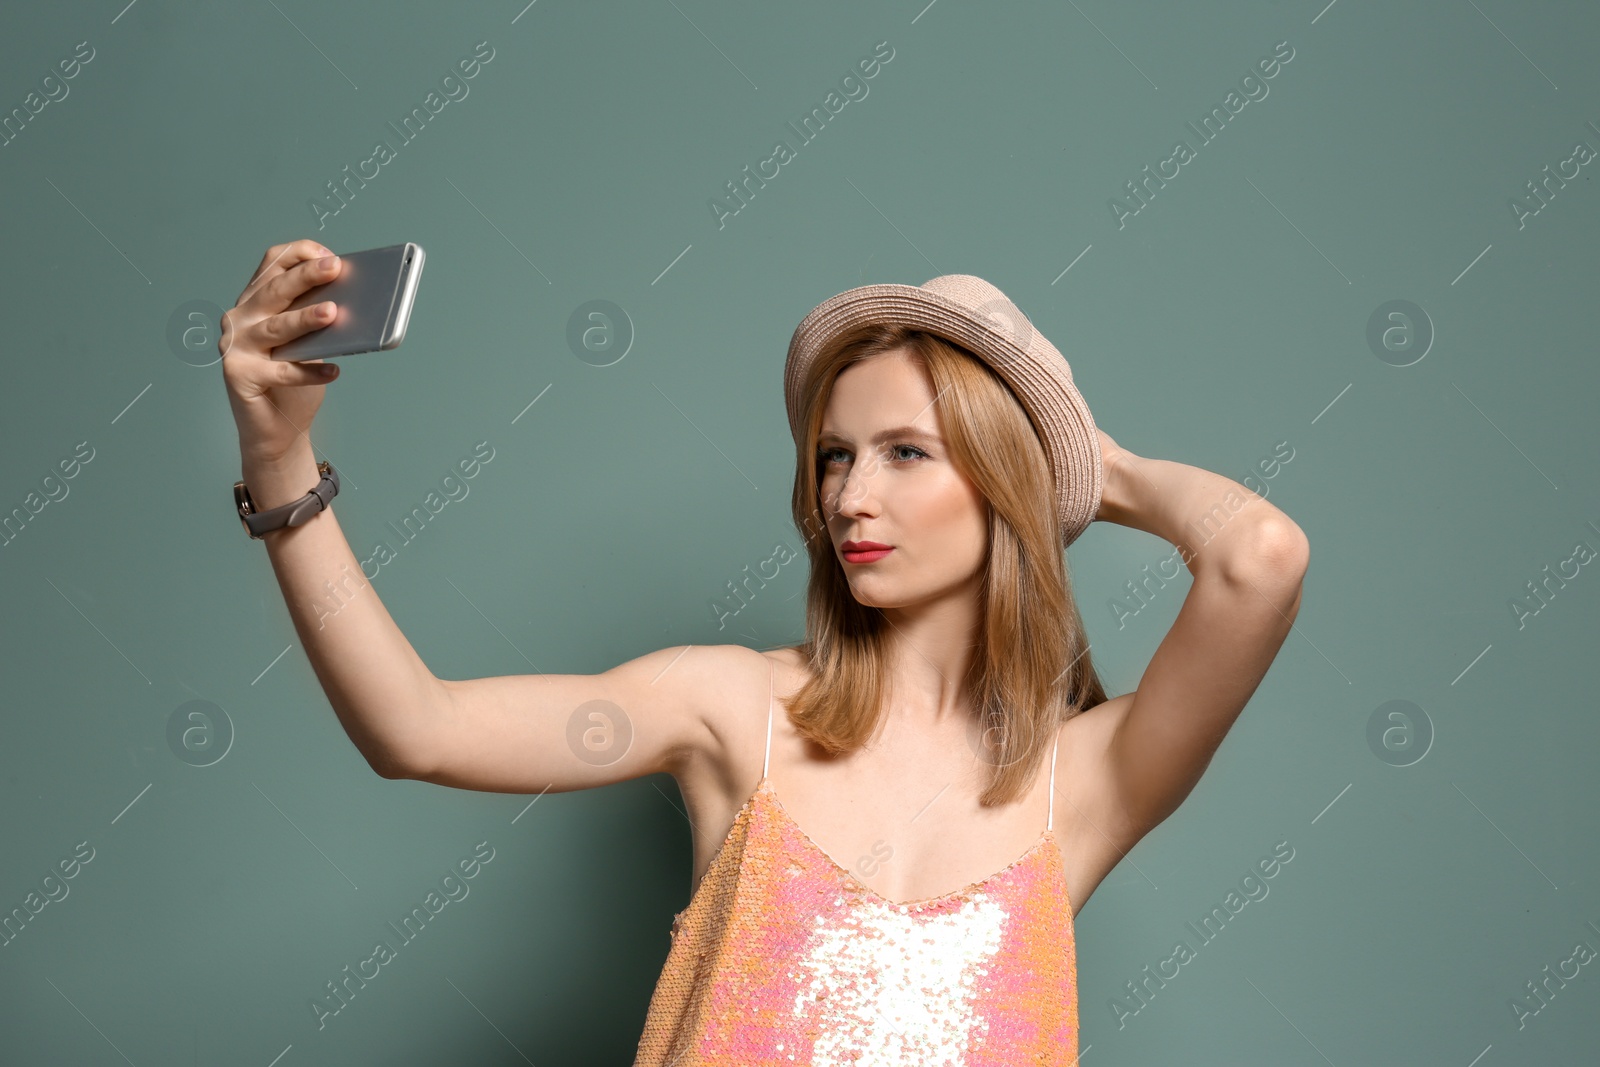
x=1031, y=670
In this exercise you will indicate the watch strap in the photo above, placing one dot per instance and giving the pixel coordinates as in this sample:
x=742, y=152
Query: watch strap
x=294, y=513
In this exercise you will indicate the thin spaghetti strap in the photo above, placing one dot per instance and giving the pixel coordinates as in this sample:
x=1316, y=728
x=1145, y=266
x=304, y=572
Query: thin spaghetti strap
x=1050, y=819
x=771, y=688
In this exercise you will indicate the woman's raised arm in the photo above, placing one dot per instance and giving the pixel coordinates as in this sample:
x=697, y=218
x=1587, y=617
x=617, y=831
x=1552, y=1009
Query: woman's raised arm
x=517, y=733
x=1248, y=559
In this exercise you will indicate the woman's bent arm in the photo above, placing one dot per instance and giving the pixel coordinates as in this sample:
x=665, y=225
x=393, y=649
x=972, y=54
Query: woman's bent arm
x=512, y=734
x=520, y=733
x=1248, y=560
x=384, y=695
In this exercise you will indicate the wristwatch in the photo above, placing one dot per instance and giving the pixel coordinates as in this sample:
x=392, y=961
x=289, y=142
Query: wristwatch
x=293, y=513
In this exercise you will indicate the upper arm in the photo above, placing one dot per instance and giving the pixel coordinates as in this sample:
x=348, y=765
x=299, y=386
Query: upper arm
x=528, y=733
x=1232, y=623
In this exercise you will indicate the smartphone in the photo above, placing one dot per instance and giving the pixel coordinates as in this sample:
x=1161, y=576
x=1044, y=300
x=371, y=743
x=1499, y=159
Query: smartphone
x=373, y=295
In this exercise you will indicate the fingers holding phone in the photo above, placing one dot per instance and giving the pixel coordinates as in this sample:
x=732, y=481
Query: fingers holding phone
x=274, y=402
x=304, y=303
x=275, y=263
x=373, y=293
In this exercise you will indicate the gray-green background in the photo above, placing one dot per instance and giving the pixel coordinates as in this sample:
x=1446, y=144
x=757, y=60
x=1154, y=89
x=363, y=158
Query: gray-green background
x=1436, y=475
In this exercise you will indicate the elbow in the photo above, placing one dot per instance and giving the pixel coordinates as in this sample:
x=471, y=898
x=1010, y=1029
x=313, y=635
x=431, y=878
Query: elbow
x=400, y=748
x=1280, y=547
x=1276, y=554
x=389, y=765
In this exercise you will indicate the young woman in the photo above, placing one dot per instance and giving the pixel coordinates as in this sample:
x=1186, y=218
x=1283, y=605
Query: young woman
x=897, y=821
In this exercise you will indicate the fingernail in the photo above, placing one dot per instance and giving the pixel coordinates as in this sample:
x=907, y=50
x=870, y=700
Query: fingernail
x=329, y=370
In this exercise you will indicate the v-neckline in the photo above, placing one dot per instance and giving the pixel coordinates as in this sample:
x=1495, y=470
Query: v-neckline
x=1045, y=838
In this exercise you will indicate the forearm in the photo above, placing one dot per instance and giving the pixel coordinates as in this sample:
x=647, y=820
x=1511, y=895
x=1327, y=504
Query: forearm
x=1214, y=522
x=384, y=695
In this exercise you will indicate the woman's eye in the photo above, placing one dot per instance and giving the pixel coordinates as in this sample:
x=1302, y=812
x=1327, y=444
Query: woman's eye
x=826, y=455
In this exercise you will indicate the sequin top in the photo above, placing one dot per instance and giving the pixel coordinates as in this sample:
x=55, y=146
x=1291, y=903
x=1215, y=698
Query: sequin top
x=784, y=957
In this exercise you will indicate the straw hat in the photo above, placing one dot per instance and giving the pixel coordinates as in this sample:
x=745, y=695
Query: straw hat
x=977, y=316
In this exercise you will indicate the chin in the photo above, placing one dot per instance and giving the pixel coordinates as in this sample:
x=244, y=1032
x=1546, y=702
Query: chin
x=863, y=597
x=867, y=598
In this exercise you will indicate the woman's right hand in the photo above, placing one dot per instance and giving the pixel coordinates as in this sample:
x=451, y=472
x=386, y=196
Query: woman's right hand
x=275, y=400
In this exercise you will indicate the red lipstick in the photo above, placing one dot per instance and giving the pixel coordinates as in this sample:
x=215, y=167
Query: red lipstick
x=864, y=551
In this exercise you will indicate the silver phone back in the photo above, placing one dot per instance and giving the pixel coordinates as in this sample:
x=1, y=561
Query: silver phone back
x=374, y=293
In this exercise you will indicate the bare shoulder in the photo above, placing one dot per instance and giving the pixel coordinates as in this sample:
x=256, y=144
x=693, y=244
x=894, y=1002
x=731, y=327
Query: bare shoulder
x=734, y=686
x=740, y=682
x=724, y=678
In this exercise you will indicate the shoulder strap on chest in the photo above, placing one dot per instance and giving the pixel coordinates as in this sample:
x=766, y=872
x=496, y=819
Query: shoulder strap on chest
x=1050, y=819
x=772, y=682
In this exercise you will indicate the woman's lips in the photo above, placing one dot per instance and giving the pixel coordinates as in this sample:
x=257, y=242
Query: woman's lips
x=865, y=555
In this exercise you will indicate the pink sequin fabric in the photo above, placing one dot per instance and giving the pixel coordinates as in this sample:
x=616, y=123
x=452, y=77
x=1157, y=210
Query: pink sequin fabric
x=784, y=957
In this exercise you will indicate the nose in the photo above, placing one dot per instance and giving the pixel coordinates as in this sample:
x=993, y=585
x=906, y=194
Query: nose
x=854, y=505
x=855, y=496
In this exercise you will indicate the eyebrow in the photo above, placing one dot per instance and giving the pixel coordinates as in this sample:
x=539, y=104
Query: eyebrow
x=881, y=437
